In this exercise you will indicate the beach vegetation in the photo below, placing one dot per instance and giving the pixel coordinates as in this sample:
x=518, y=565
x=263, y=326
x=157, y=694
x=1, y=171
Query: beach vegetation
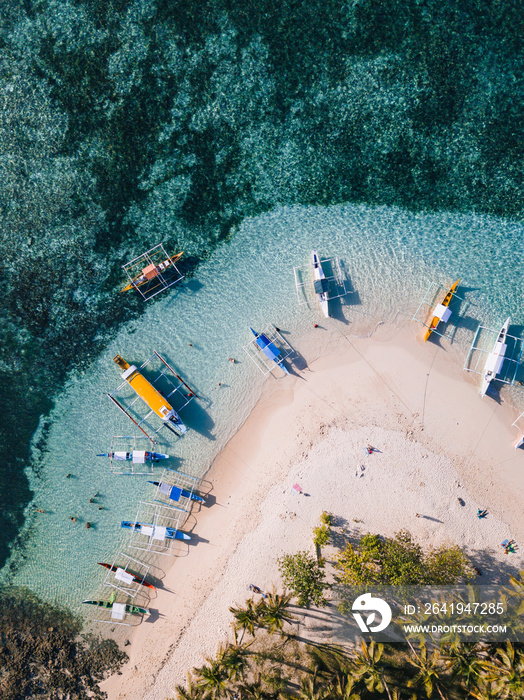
x=322, y=532
x=247, y=618
x=320, y=536
x=190, y=691
x=446, y=565
x=428, y=669
x=398, y=561
x=326, y=518
x=369, y=667
x=213, y=678
x=465, y=661
x=305, y=577
x=275, y=612
x=309, y=668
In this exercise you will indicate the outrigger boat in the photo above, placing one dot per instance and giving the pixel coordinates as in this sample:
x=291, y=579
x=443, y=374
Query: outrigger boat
x=269, y=349
x=321, y=284
x=174, y=493
x=135, y=577
x=441, y=311
x=156, y=531
x=151, y=396
x=152, y=271
x=135, y=456
x=130, y=609
x=495, y=358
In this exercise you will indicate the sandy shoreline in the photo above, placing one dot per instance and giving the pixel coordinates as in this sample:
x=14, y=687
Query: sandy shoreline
x=438, y=441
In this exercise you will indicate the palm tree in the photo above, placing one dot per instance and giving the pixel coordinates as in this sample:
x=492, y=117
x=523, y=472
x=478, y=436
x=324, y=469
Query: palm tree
x=429, y=668
x=344, y=688
x=213, y=678
x=189, y=693
x=253, y=691
x=370, y=669
x=247, y=619
x=310, y=689
x=507, y=672
x=274, y=611
x=485, y=690
x=464, y=663
x=234, y=659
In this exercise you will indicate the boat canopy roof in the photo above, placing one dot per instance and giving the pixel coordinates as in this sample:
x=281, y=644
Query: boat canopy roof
x=269, y=349
x=156, y=532
x=494, y=361
x=321, y=286
x=172, y=492
x=118, y=610
x=123, y=575
x=442, y=312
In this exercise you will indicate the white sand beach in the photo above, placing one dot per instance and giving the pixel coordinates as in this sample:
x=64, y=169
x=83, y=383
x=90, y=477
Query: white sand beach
x=437, y=442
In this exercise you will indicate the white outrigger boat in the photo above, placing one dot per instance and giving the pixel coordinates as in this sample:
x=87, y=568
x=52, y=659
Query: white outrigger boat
x=136, y=456
x=320, y=283
x=495, y=358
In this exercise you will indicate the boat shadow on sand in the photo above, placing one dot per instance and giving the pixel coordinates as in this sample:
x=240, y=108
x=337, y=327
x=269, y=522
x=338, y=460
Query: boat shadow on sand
x=493, y=392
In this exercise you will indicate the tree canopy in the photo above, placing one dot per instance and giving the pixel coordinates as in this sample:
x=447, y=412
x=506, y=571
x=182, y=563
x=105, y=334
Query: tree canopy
x=399, y=560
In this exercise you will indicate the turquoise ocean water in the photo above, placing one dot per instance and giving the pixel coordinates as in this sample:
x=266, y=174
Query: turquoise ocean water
x=389, y=256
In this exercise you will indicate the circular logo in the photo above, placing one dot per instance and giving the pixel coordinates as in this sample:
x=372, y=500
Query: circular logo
x=366, y=603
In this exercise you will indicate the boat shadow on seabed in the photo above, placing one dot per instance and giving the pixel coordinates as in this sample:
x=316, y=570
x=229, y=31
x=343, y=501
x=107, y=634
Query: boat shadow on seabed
x=199, y=420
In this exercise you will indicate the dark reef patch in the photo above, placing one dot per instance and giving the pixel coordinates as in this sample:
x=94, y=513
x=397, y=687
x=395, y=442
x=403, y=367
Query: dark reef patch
x=43, y=654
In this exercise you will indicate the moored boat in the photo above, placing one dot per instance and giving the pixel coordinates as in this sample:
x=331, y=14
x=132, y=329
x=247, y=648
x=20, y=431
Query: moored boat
x=495, y=358
x=320, y=284
x=152, y=271
x=269, y=349
x=156, y=531
x=136, y=578
x=108, y=604
x=139, y=456
x=174, y=493
x=151, y=396
x=441, y=312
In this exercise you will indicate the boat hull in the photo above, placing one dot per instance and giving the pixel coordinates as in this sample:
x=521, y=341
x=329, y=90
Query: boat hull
x=128, y=456
x=171, y=532
x=130, y=609
x=152, y=397
x=495, y=358
x=136, y=577
x=142, y=279
x=320, y=283
x=269, y=349
x=445, y=302
x=186, y=494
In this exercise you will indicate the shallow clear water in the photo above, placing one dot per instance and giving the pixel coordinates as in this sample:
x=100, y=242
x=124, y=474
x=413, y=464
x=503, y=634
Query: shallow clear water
x=390, y=257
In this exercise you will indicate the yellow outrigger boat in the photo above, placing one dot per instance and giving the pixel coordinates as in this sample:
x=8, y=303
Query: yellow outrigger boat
x=150, y=395
x=151, y=271
x=439, y=311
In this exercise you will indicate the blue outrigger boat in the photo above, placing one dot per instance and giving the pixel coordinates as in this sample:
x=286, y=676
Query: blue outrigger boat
x=171, y=533
x=175, y=493
x=269, y=349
